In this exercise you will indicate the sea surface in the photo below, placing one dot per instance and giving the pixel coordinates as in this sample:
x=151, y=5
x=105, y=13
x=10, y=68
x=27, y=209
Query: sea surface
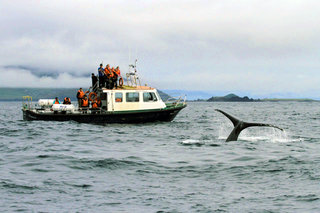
x=179, y=166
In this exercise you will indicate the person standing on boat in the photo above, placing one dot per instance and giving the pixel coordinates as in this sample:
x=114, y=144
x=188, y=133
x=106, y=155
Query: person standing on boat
x=101, y=75
x=56, y=101
x=111, y=78
x=94, y=82
x=107, y=72
x=117, y=73
x=114, y=78
x=85, y=103
x=80, y=96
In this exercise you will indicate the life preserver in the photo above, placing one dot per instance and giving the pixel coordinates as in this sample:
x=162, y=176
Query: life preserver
x=120, y=81
x=92, y=94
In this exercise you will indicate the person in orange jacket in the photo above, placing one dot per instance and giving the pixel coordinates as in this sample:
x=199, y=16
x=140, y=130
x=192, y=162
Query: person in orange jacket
x=66, y=100
x=118, y=75
x=94, y=104
x=85, y=103
x=56, y=101
x=107, y=74
x=80, y=96
x=118, y=71
x=112, y=77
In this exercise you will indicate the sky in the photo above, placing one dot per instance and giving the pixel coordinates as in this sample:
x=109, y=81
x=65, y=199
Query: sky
x=257, y=48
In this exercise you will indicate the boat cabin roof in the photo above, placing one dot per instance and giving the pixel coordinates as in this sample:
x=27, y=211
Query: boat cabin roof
x=130, y=88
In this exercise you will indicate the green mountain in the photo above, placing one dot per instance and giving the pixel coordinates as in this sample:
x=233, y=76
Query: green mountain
x=231, y=98
x=15, y=94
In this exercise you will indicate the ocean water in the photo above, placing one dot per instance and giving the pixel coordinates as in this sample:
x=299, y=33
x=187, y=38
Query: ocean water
x=180, y=166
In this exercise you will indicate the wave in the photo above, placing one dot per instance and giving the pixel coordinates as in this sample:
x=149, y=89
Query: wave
x=84, y=186
x=107, y=163
x=288, y=165
x=308, y=197
x=12, y=185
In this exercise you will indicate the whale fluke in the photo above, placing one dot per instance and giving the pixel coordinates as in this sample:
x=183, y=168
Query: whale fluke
x=241, y=125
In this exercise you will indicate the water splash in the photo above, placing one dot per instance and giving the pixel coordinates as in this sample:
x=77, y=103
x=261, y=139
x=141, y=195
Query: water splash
x=258, y=134
x=190, y=142
x=268, y=135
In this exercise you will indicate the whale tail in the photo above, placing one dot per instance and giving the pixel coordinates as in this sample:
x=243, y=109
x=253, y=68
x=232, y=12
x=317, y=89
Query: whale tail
x=241, y=125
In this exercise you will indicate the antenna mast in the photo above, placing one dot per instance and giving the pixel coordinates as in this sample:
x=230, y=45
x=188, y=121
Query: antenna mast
x=132, y=76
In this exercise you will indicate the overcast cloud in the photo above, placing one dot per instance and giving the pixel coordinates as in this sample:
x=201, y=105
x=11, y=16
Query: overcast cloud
x=257, y=47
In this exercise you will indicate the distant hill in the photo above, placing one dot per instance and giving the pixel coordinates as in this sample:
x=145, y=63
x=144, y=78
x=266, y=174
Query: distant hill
x=231, y=98
x=15, y=94
x=164, y=96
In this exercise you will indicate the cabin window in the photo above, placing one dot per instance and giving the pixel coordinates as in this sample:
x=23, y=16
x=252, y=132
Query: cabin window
x=118, y=97
x=132, y=97
x=149, y=97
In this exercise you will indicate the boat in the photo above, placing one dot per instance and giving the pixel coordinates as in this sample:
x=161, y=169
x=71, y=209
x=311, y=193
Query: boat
x=131, y=103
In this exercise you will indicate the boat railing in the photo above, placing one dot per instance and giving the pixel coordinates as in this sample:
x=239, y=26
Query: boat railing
x=176, y=100
x=94, y=87
x=27, y=102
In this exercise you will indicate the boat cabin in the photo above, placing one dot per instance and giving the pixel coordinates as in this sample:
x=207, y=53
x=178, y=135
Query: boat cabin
x=130, y=99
